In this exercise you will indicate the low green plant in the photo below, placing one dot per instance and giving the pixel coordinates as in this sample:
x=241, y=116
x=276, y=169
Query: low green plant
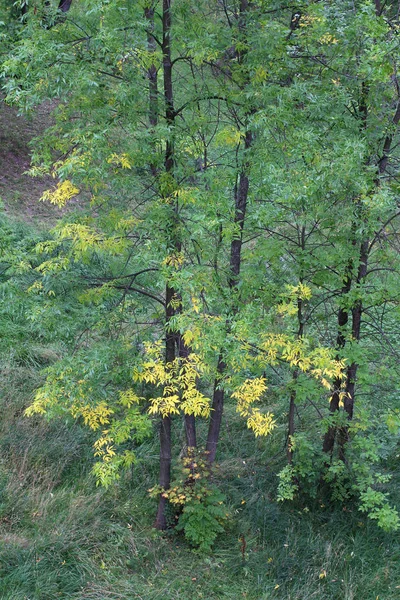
x=203, y=518
x=200, y=509
x=358, y=478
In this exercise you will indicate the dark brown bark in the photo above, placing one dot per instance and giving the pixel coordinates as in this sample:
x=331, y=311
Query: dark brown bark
x=152, y=76
x=241, y=193
x=165, y=425
x=343, y=318
x=300, y=333
x=357, y=310
x=349, y=391
x=174, y=342
x=292, y=402
x=165, y=470
x=217, y=408
x=216, y=412
x=165, y=428
x=291, y=414
x=170, y=339
x=65, y=5
x=189, y=420
x=168, y=88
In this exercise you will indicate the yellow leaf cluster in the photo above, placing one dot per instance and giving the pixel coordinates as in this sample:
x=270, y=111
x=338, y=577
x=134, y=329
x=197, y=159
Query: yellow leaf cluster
x=120, y=160
x=104, y=448
x=86, y=238
x=261, y=423
x=178, y=380
x=191, y=336
x=292, y=294
x=249, y=392
x=328, y=39
x=61, y=194
x=246, y=395
x=175, y=260
x=309, y=20
x=40, y=403
x=128, y=398
x=229, y=136
x=93, y=416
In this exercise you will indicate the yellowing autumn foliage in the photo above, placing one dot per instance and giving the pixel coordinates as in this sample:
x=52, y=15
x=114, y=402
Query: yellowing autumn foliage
x=61, y=194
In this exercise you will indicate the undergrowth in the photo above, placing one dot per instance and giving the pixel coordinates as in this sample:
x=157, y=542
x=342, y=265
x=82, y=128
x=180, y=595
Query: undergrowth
x=63, y=537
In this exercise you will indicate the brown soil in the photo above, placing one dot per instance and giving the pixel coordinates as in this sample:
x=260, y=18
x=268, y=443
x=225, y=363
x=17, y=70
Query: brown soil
x=20, y=192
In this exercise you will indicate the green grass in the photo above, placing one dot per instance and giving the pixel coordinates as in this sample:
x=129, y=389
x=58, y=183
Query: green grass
x=61, y=537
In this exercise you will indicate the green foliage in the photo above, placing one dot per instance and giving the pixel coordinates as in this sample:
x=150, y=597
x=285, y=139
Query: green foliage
x=200, y=509
x=203, y=518
x=357, y=480
x=287, y=487
x=302, y=111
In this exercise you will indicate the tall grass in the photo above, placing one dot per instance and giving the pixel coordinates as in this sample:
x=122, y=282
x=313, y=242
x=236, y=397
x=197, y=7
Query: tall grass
x=61, y=537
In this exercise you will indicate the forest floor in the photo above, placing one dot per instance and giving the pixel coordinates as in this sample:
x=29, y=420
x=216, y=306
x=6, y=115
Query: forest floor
x=63, y=537
x=20, y=192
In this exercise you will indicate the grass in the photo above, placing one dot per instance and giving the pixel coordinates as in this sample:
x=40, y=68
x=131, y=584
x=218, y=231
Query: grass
x=62, y=537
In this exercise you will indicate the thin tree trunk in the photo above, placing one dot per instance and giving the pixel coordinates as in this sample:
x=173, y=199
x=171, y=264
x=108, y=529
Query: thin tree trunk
x=292, y=402
x=165, y=429
x=217, y=408
x=349, y=392
x=153, y=79
x=241, y=196
x=65, y=5
x=216, y=412
x=343, y=318
x=165, y=471
x=174, y=341
x=300, y=333
x=291, y=424
x=357, y=310
x=189, y=420
x=165, y=425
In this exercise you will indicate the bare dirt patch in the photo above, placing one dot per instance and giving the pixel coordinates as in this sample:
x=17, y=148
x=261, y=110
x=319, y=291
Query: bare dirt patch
x=20, y=192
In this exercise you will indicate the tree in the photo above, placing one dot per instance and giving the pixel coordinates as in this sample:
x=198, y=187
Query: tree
x=236, y=213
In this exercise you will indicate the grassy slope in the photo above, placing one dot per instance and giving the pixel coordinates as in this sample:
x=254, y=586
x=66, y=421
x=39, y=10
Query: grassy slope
x=61, y=537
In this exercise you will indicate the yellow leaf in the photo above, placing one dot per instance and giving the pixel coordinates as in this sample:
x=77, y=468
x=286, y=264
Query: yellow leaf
x=60, y=195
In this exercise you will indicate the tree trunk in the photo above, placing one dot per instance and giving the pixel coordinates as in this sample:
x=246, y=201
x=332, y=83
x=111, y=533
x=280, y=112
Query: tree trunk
x=165, y=471
x=65, y=5
x=189, y=420
x=170, y=339
x=343, y=318
x=349, y=392
x=291, y=425
x=153, y=79
x=241, y=196
x=300, y=333
x=217, y=408
x=216, y=413
x=165, y=428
